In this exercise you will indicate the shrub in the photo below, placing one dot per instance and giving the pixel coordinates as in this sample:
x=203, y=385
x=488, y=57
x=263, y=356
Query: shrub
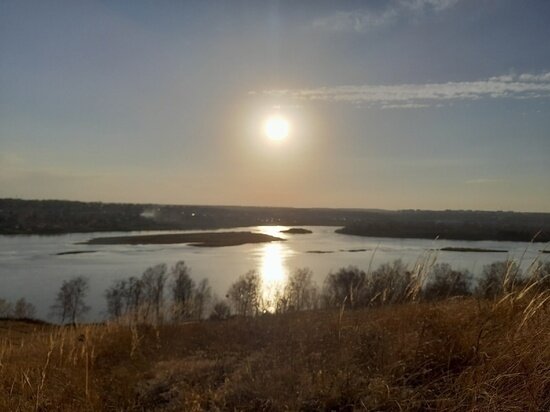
x=5, y=308
x=498, y=278
x=220, y=311
x=301, y=291
x=344, y=286
x=23, y=309
x=244, y=294
x=542, y=276
x=445, y=282
x=388, y=284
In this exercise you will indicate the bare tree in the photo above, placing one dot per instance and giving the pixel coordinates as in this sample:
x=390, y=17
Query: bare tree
x=301, y=291
x=498, y=278
x=389, y=283
x=203, y=295
x=69, y=302
x=244, y=294
x=153, y=281
x=5, y=308
x=344, y=286
x=24, y=309
x=117, y=299
x=183, y=289
x=445, y=282
x=220, y=311
x=134, y=296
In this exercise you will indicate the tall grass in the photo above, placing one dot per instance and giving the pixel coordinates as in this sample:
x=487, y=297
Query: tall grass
x=402, y=353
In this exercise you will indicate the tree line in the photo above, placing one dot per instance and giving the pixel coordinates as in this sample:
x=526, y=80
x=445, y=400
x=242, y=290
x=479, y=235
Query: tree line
x=163, y=294
x=18, y=216
x=21, y=309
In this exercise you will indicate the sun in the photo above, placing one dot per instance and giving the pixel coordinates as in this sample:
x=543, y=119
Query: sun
x=276, y=127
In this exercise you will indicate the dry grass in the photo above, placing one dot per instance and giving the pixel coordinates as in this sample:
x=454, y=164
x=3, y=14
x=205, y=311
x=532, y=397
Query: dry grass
x=451, y=355
x=49, y=368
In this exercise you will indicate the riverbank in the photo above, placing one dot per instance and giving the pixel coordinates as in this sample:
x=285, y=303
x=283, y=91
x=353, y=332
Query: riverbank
x=488, y=231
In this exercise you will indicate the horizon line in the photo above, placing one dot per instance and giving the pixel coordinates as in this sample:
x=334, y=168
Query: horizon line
x=357, y=209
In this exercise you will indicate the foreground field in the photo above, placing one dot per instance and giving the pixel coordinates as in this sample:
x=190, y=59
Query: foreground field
x=452, y=355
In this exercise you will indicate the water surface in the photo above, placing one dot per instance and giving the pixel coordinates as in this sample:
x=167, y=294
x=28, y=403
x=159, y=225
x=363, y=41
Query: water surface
x=31, y=268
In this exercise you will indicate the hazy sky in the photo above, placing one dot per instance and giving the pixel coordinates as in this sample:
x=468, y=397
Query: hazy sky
x=428, y=104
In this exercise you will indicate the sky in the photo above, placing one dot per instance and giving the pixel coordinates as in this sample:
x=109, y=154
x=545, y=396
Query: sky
x=420, y=104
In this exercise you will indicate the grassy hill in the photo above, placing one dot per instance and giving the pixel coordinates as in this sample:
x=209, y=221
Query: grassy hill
x=455, y=354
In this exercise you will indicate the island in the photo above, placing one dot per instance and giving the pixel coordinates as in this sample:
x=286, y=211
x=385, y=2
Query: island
x=471, y=249
x=297, y=231
x=75, y=252
x=205, y=239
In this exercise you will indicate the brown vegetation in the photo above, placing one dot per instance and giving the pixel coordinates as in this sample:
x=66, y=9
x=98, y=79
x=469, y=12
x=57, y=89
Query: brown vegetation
x=454, y=355
x=396, y=352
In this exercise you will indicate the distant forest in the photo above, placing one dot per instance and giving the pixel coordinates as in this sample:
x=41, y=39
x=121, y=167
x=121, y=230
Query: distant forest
x=58, y=216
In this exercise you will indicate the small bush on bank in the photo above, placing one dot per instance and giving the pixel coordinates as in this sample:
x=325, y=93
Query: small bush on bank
x=444, y=282
x=498, y=278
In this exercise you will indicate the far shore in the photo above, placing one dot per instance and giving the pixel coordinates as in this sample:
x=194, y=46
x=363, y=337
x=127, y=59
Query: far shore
x=208, y=239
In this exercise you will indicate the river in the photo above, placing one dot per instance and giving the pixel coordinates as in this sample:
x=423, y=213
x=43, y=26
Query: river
x=31, y=268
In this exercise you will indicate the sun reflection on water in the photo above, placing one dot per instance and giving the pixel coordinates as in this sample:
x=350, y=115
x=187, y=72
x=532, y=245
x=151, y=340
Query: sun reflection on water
x=273, y=231
x=274, y=273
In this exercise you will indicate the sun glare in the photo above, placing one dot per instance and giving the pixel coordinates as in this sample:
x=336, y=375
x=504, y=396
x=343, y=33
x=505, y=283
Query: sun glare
x=276, y=128
x=274, y=274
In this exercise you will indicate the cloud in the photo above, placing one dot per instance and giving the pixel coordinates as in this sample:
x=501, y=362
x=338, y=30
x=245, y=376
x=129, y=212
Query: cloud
x=422, y=5
x=523, y=86
x=360, y=21
x=355, y=21
x=544, y=77
x=405, y=106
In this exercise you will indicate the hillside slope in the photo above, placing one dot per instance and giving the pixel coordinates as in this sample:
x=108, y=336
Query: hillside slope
x=452, y=355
